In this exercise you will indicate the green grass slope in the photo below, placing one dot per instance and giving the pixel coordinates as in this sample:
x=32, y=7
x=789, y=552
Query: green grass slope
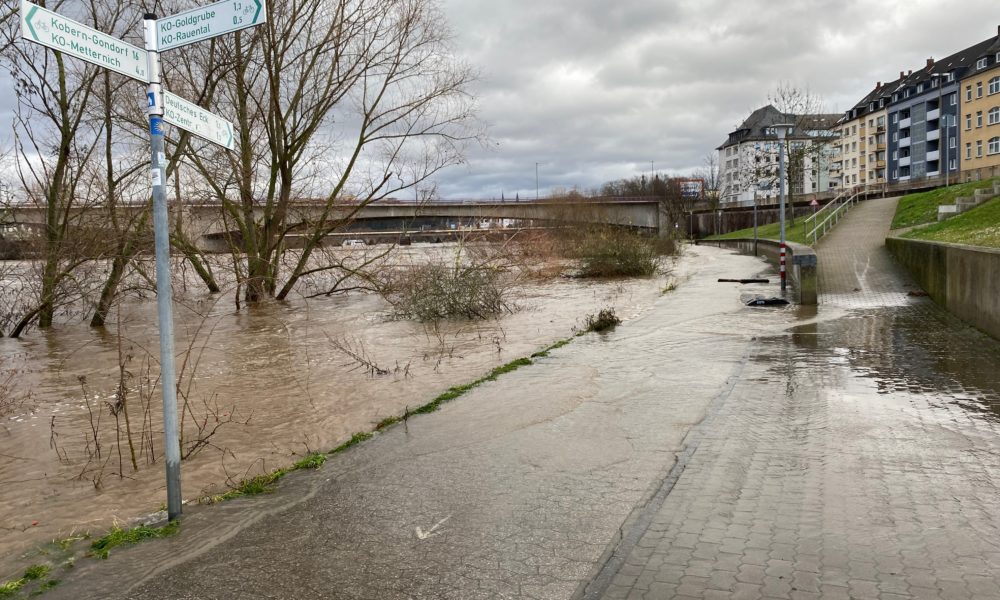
x=917, y=209
x=977, y=227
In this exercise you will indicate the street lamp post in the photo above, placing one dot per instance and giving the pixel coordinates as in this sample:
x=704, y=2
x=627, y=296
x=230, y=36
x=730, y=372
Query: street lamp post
x=536, y=181
x=782, y=130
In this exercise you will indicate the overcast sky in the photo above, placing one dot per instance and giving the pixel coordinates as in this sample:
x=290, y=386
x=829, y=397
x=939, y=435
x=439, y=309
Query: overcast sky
x=594, y=90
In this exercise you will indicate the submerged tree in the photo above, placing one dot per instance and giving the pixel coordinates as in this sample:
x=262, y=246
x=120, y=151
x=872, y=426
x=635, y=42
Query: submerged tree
x=337, y=102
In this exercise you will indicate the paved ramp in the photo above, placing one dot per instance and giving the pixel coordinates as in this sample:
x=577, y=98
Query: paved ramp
x=855, y=269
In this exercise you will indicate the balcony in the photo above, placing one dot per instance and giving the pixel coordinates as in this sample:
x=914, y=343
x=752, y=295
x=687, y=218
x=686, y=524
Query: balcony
x=880, y=129
x=879, y=164
x=904, y=143
x=880, y=146
x=934, y=155
x=904, y=123
x=934, y=114
x=904, y=161
x=933, y=134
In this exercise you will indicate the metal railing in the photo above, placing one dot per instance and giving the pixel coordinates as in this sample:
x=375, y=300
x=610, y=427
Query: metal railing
x=840, y=206
x=828, y=206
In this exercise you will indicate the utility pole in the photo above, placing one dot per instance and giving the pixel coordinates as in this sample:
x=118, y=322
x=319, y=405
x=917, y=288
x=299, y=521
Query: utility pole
x=536, y=181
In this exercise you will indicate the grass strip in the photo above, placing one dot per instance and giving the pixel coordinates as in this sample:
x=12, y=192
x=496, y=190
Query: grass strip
x=101, y=548
x=32, y=573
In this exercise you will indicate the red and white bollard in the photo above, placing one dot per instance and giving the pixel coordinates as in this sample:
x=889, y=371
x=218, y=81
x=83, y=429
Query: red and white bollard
x=782, y=266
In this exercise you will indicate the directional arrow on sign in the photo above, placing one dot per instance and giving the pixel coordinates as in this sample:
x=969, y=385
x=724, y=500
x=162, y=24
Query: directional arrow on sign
x=209, y=21
x=76, y=39
x=197, y=120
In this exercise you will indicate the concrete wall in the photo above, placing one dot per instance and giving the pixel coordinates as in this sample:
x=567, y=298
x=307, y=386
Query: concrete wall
x=963, y=279
x=801, y=263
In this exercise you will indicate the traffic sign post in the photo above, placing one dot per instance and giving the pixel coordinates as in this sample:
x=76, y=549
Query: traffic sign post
x=209, y=21
x=164, y=287
x=75, y=39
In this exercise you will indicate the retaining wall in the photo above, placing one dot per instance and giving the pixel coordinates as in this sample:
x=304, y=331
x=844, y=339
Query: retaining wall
x=801, y=262
x=965, y=280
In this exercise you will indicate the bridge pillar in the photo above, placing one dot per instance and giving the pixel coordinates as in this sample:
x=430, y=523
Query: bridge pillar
x=664, y=223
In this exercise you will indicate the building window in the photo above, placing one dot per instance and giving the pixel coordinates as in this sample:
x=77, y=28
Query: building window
x=979, y=118
x=995, y=85
x=895, y=174
x=895, y=155
x=951, y=77
x=951, y=165
x=951, y=142
x=881, y=121
x=979, y=89
x=994, y=117
x=968, y=93
x=954, y=99
x=895, y=117
x=979, y=148
x=968, y=122
x=968, y=150
x=981, y=63
x=994, y=145
x=895, y=136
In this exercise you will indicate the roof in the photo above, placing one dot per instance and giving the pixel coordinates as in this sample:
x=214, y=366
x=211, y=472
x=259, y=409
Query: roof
x=754, y=127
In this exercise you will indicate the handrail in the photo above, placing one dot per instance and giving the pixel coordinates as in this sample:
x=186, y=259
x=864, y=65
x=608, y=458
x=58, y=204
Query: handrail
x=844, y=206
x=816, y=214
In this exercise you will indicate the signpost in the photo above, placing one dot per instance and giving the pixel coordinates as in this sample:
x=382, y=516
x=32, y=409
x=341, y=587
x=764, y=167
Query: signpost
x=207, y=22
x=75, y=39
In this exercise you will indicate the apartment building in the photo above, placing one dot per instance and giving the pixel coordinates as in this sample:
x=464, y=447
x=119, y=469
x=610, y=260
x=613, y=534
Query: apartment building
x=979, y=124
x=923, y=125
x=861, y=146
x=748, y=160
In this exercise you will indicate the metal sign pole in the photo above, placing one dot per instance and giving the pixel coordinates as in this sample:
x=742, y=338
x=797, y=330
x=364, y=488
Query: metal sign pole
x=164, y=292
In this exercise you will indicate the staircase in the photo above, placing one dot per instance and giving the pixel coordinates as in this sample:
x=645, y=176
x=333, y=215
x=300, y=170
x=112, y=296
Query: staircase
x=964, y=203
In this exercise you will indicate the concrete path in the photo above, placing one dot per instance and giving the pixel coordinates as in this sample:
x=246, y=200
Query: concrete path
x=857, y=457
x=702, y=450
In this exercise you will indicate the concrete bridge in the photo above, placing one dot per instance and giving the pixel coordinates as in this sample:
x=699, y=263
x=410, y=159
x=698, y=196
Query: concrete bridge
x=208, y=225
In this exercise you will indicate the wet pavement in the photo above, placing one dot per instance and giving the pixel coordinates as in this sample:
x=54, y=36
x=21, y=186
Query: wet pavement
x=702, y=450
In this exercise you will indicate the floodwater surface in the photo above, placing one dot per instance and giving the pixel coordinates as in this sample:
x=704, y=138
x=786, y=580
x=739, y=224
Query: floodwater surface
x=259, y=390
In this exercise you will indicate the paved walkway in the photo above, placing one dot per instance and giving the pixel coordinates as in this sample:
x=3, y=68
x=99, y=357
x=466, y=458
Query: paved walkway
x=855, y=458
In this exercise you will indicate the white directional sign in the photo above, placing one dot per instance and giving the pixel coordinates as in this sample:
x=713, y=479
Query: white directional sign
x=197, y=120
x=75, y=39
x=209, y=21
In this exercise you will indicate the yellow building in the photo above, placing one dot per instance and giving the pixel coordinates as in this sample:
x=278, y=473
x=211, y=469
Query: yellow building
x=979, y=124
x=862, y=140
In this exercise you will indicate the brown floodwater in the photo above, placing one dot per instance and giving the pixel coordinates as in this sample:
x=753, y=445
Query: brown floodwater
x=275, y=381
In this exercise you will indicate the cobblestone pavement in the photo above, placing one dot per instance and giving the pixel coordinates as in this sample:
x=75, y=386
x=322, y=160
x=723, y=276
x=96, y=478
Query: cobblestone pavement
x=856, y=457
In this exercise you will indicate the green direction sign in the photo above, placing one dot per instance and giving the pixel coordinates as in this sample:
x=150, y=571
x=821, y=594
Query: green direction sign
x=197, y=120
x=209, y=21
x=75, y=39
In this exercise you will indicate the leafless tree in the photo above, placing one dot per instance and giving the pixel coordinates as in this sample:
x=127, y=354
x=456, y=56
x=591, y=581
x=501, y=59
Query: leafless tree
x=334, y=101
